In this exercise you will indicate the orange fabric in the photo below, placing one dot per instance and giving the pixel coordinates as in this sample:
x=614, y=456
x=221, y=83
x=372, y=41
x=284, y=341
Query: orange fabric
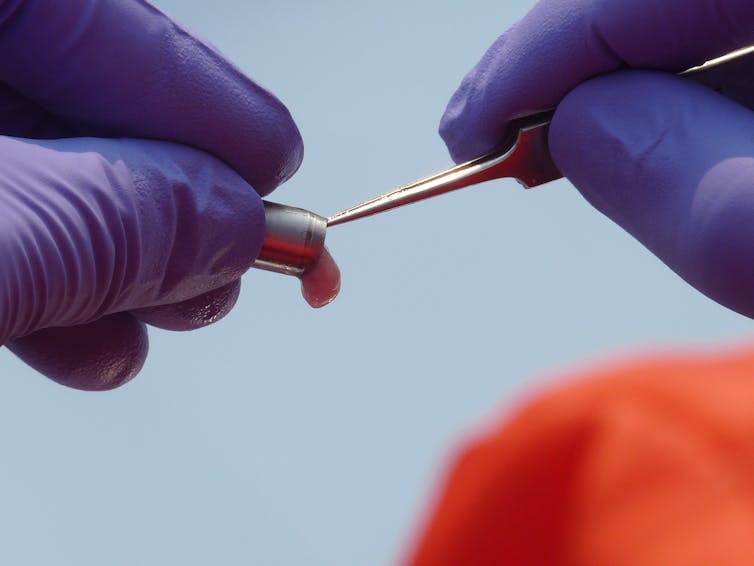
x=649, y=463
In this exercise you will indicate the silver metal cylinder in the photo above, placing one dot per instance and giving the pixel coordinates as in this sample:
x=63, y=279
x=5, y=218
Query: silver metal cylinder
x=293, y=241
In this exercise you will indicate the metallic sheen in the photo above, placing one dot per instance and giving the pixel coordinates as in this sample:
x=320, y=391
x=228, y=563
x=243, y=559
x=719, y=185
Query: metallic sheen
x=525, y=155
x=294, y=239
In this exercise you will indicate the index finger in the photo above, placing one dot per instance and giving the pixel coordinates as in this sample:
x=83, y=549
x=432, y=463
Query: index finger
x=123, y=68
x=562, y=43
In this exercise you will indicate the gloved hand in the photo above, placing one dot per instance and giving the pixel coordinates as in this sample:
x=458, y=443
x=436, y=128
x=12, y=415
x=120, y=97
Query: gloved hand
x=99, y=236
x=669, y=161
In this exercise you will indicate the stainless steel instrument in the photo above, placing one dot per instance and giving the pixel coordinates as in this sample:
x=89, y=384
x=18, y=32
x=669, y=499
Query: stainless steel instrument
x=295, y=237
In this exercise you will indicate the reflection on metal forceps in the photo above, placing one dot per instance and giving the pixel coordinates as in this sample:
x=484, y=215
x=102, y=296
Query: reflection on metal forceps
x=295, y=237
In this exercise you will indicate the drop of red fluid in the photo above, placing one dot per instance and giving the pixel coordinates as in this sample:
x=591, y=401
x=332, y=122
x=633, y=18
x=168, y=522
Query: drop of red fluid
x=321, y=283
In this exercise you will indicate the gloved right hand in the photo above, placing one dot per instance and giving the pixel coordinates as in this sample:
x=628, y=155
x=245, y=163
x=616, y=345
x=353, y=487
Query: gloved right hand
x=99, y=236
x=669, y=161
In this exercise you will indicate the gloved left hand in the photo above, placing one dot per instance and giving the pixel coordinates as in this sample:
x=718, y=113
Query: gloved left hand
x=668, y=160
x=102, y=235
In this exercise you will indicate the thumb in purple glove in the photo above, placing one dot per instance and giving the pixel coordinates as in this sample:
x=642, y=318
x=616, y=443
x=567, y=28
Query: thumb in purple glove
x=94, y=227
x=673, y=164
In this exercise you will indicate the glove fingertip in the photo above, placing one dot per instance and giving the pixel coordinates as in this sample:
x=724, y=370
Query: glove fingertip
x=466, y=133
x=98, y=356
x=288, y=146
x=192, y=314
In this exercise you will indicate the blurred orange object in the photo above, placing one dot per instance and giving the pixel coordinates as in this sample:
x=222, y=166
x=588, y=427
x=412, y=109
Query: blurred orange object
x=646, y=463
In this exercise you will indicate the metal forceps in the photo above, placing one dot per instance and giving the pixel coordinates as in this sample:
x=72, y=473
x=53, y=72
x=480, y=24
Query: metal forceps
x=295, y=237
x=524, y=154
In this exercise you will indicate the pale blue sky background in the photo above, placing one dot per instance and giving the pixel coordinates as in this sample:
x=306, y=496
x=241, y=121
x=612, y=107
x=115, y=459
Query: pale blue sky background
x=284, y=435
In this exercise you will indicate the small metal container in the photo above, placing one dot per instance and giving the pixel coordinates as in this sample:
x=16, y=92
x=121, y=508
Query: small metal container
x=293, y=241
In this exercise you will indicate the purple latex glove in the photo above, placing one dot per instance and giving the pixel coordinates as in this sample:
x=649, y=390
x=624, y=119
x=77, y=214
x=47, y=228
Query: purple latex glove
x=669, y=161
x=99, y=236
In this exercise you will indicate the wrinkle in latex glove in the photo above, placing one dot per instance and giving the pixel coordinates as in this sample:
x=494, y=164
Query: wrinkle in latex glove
x=103, y=226
x=96, y=227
